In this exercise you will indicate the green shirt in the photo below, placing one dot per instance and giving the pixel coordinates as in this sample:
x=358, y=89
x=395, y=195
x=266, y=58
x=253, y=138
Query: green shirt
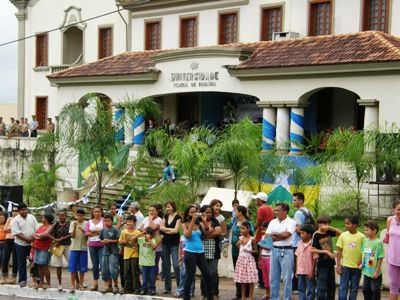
x=372, y=251
x=79, y=243
x=147, y=255
x=351, y=245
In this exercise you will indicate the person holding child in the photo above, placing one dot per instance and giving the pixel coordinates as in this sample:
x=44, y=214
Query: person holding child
x=305, y=264
x=349, y=254
x=323, y=246
x=372, y=257
x=109, y=237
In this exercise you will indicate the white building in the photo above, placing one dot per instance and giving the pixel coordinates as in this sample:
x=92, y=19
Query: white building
x=322, y=70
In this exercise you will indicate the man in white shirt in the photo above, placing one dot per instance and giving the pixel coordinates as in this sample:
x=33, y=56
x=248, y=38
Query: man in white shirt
x=281, y=229
x=134, y=208
x=23, y=227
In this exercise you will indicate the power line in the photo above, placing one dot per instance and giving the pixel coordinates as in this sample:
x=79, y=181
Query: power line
x=73, y=24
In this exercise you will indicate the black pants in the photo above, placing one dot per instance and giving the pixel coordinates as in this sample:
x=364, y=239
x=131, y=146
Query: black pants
x=34, y=133
x=131, y=270
x=9, y=248
x=213, y=269
x=121, y=269
x=192, y=260
x=238, y=285
x=372, y=288
x=326, y=284
x=295, y=282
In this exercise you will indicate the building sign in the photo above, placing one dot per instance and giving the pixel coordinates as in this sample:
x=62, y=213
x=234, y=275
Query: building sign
x=194, y=78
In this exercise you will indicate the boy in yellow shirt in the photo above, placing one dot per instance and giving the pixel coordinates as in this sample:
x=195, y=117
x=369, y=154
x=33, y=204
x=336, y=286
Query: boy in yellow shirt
x=349, y=254
x=128, y=239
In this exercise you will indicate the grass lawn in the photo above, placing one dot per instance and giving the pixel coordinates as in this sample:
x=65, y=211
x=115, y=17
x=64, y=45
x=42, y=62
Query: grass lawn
x=339, y=224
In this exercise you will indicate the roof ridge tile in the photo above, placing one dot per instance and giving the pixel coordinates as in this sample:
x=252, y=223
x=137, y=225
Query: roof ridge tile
x=383, y=38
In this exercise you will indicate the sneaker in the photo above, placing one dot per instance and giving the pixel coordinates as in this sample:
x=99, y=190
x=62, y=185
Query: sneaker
x=153, y=292
x=166, y=292
x=60, y=288
x=115, y=290
x=22, y=284
x=143, y=292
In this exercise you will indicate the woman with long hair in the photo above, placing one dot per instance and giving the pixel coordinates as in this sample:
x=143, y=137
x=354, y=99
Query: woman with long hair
x=92, y=231
x=193, y=229
x=170, y=244
x=117, y=220
x=212, y=249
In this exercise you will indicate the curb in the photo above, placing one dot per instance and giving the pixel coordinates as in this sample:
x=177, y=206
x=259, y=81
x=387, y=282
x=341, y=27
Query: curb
x=54, y=294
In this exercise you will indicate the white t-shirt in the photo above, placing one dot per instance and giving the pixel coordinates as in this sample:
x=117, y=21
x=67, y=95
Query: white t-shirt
x=156, y=221
x=139, y=219
x=220, y=219
x=286, y=225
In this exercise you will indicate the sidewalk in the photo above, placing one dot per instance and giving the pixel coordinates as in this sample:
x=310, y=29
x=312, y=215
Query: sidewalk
x=227, y=291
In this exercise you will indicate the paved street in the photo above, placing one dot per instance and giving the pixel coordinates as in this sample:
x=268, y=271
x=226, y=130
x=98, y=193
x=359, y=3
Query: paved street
x=227, y=291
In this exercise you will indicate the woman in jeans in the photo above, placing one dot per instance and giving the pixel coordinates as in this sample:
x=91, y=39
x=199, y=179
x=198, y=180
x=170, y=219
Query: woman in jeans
x=212, y=250
x=9, y=248
x=193, y=230
x=170, y=244
x=92, y=231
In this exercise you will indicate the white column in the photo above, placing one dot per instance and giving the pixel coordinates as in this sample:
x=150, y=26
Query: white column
x=282, y=129
x=296, y=130
x=269, y=128
x=118, y=113
x=371, y=119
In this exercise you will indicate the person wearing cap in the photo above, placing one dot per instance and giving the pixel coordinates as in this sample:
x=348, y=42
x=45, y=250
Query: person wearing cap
x=264, y=214
x=134, y=209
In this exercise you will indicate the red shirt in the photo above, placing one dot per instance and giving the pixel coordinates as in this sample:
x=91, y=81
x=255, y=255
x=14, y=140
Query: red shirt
x=264, y=213
x=42, y=245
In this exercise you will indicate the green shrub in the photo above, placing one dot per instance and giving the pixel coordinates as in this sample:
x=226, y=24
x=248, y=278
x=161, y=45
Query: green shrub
x=342, y=204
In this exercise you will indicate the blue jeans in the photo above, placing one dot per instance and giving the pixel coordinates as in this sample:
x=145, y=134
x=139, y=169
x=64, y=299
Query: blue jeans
x=96, y=254
x=22, y=254
x=349, y=276
x=109, y=267
x=167, y=253
x=281, y=264
x=181, y=286
x=306, y=287
x=149, y=278
x=326, y=284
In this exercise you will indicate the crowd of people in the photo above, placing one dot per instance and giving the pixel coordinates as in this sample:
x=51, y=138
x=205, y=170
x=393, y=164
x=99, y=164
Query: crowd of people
x=126, y=252
x=24, y=128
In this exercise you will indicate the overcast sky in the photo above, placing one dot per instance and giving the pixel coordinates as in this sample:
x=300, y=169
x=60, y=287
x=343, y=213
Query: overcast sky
x=8, y=54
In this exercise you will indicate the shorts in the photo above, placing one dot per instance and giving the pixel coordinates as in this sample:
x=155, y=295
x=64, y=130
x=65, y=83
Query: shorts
x=58, y=260
x=41, y=257
x=109, y=267
x=78, y=261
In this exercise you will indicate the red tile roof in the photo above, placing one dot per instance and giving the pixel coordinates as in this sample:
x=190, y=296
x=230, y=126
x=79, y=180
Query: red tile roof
x=361, y=47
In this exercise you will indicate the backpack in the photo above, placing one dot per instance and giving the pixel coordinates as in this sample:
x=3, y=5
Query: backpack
x=308, y=217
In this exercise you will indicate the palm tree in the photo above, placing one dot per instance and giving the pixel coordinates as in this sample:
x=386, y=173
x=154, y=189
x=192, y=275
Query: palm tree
x=238, y=149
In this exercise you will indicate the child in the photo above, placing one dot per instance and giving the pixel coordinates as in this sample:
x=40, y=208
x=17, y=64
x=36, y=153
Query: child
x=78, y=257
x=305, y=263
x=264, y=259
x=182, y=273
x=323, y=246
x=147, y=259
x=372, y=256
x=349, y=256
x=246, y=272
x=109, y=236
x=128, y=239
x=235, y=204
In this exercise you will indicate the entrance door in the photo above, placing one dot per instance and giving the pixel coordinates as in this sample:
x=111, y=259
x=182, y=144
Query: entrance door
x=41, y=111
x=188, y=108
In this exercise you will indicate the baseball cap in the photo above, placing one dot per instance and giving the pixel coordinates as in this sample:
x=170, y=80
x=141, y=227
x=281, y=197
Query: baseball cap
x=261, y=196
